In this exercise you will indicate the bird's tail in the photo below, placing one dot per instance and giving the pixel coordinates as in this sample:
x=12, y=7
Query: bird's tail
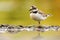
x=48, y=15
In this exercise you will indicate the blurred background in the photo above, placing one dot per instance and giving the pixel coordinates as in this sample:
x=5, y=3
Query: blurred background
x=17, y=12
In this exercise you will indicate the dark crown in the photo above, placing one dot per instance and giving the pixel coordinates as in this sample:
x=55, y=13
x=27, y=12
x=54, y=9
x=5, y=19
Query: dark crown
x=33, y=8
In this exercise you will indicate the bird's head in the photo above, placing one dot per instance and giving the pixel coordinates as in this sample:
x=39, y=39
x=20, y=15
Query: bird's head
x=33, y=9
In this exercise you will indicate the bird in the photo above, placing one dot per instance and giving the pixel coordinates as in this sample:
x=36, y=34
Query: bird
x=37, y=15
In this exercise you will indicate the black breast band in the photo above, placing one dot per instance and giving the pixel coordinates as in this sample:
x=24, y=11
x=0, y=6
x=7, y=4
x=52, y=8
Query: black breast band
x=35, y=11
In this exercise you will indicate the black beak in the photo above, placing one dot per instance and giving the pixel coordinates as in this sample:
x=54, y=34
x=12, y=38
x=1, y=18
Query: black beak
x=30, y=9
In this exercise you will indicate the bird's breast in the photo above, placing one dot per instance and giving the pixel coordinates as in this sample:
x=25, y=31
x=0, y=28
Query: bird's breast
x=37, y=17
